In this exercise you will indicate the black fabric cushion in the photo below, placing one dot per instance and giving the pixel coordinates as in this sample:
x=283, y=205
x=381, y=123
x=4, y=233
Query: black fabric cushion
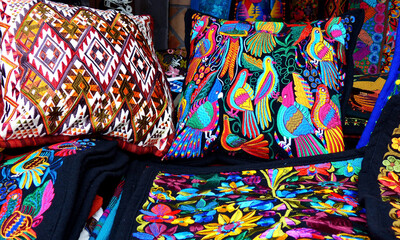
x=48, y=193
x=379, y=179
x=265, y=90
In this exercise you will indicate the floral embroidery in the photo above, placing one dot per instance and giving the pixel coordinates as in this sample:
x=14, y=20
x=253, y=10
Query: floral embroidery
x=392, y=164
x=22, y=211
x=388, y=179
x=313, y=201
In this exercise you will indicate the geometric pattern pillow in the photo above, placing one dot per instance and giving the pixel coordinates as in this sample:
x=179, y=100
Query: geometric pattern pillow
x=69, y=71
x=265, y=89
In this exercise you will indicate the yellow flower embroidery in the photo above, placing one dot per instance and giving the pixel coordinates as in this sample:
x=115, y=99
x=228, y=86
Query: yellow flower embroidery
x=184, y=222
x=226, y=208
x=229, y=226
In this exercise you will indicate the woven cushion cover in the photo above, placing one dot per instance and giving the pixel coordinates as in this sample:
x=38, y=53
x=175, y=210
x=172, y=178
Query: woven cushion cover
x=69, y=71
x=268, y=89
x=306, y=198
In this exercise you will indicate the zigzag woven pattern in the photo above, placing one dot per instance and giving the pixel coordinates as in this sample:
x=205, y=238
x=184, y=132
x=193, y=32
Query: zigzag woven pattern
x=69, y=71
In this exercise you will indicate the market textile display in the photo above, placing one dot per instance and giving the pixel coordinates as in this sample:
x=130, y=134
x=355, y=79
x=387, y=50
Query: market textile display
x=266, y=89
x=70, y=71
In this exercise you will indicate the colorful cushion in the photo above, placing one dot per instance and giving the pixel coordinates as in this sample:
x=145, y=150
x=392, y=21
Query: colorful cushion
x=266, y=89
x=379, y=180
x=391, y=87
x=305, y=198
x=69, y=71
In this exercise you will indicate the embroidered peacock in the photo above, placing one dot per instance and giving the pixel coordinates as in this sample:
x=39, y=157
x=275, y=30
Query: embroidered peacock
x=266, y=87
x=201, y=121
x=239, y=98
x=325, y=115
x=257, y=147
x=336, y=30
x=184, y=104
x=294, y=120
x=203, y=49
x=322, y=54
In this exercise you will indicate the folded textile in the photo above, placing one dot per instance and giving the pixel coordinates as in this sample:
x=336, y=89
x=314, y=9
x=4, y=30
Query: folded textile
x=312, y=197
x=47, y=194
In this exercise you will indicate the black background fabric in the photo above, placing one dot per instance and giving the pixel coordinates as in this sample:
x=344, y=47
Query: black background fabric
x=378, y=218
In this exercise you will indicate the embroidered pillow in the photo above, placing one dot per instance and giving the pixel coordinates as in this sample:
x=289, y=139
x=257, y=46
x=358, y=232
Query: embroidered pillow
x=379, y=180
x=268, y=89
x=69, y=71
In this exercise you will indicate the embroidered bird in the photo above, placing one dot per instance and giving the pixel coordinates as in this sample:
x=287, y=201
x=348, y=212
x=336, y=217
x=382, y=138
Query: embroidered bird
x=257, y=147
x=203, y=49
x=263, y=41
x=335, y=29
x=201, y=121
x=322, y=54
x=239, y=98
x=266, y=87
x=294, y=122
x=325, y=116
x=17, y=217
x=184, y=104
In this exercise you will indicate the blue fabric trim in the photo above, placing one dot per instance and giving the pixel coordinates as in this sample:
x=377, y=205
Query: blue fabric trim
x=384, y=95
x=105, y=230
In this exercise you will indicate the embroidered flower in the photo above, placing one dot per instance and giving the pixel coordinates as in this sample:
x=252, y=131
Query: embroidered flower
x=156, y=231
x=184, y=222
x=160, y=194
x=266, y=222
x=374, y=57
x=235, y=188
x=395, y=143
x=348, y=168
x=32, y=169
x=391, y=180
x=311, y=170
x=200, y=206
x=226, y=208
x=204, y=217
x=229, y=226
x=249, y=172
x=252, y=180
x=175, y=183
x=332, y=207
x=392, y=164
x=304, y=233
x=160, y=213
